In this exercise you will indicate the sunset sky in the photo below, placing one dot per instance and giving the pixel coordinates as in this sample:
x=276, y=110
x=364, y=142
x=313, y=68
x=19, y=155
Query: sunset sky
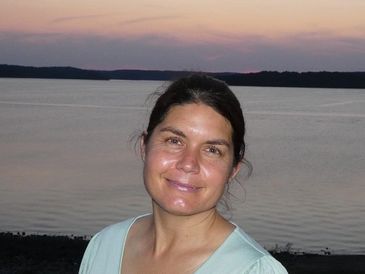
x=208, y=35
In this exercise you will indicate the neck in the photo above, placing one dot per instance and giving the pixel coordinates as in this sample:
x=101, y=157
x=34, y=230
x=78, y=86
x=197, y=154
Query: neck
x=174, y=231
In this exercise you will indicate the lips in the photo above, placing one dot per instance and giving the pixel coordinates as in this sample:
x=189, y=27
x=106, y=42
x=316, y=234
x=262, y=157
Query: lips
x=183, y=186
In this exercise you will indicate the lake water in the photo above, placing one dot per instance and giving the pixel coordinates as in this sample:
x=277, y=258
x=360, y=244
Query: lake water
x=67, y=165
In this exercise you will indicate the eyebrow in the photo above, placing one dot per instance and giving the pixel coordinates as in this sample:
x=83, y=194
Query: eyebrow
x=173, y=130
x=221, y=142
x=181, y=134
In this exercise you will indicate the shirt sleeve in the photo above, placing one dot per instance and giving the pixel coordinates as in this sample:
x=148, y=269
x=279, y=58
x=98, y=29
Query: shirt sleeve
x=266, y=265
x=88, y=258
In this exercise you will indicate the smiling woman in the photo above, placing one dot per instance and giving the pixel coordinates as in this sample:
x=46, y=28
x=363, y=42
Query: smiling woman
x=189, y=159
x=192, y=149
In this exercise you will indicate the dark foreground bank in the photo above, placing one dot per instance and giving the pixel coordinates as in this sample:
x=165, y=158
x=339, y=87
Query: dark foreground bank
x=28, y=254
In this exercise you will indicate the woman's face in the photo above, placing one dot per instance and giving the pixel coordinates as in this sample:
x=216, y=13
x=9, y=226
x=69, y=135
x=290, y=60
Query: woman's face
x=189, y=159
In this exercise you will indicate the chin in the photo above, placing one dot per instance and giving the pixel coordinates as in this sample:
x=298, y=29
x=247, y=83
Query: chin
x=181, y=208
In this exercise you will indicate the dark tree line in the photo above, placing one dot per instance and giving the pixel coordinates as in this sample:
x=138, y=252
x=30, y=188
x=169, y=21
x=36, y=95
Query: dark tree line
x=265, y=78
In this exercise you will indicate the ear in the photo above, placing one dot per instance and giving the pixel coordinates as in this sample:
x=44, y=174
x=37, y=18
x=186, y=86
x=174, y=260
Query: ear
x=236, y=169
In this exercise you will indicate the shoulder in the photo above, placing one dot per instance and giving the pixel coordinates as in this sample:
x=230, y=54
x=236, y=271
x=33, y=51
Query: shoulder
x=110, y=232
x=242, y=254
x=105, y=248
x=266, y=265
x=251, y=257
x=244, y=245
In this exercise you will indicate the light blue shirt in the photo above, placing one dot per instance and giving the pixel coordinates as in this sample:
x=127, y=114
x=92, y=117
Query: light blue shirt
x=239, y=253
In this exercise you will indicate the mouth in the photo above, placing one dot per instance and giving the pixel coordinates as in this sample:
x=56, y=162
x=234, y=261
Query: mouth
x=183, y=186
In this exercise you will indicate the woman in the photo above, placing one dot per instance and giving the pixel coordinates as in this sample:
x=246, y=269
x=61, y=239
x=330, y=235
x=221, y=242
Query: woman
x=192, y=149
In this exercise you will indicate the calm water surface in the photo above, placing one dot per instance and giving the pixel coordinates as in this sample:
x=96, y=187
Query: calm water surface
x=67, y=165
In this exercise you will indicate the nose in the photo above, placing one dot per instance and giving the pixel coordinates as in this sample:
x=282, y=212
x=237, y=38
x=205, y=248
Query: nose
x=189, y=162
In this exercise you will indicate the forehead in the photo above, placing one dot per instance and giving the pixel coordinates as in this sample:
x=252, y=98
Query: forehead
x=197, y=117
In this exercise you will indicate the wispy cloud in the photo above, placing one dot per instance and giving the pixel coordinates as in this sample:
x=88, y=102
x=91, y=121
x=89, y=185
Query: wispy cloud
x=76, y=18
x=149, y=19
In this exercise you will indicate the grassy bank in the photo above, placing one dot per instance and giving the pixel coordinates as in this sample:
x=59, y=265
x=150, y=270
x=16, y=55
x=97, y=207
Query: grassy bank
x=40, y=254
x=28, y=254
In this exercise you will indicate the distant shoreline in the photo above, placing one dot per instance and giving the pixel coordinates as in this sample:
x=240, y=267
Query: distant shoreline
x=20, y=253
x=346, y=80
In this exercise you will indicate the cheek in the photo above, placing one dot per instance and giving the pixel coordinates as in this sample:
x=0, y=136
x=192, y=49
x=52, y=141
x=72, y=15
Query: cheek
x=219, y=171
x=156, y=160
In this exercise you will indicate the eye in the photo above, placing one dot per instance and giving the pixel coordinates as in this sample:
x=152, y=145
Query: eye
x=173, y=141
x=214, y=150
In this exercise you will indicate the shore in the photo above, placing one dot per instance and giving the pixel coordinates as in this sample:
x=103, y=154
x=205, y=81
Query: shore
x=322, y=79
x=41, y=254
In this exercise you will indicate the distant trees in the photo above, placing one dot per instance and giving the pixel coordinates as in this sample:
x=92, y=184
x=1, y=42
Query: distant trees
x=265, y=78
